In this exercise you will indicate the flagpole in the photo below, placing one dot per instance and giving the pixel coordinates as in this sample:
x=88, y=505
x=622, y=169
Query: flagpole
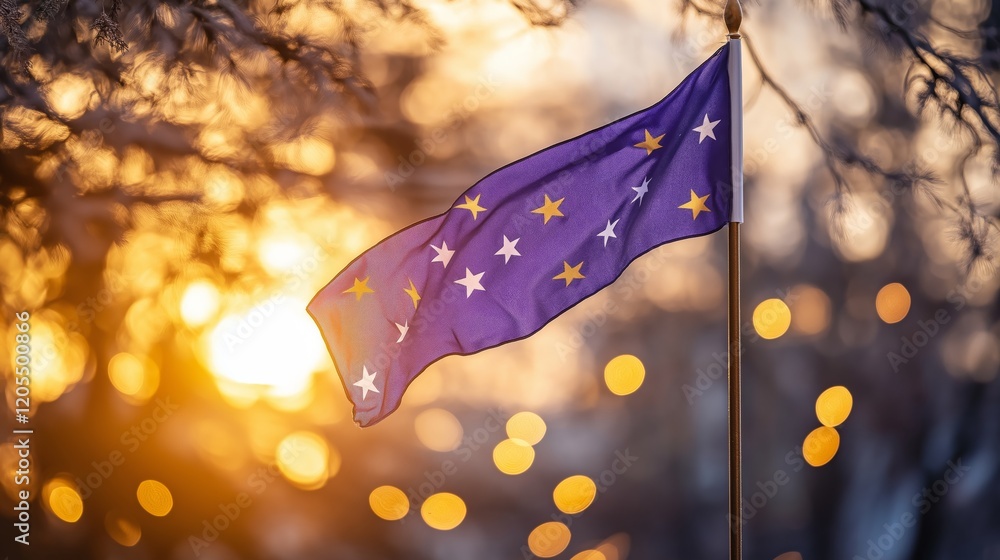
x=733, y=16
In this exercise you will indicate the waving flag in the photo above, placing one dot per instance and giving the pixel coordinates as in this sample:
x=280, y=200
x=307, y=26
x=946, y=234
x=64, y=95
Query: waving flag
x=529, y=241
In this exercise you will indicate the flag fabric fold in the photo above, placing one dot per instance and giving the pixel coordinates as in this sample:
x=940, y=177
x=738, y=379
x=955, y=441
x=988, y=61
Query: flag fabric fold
x=529, y=241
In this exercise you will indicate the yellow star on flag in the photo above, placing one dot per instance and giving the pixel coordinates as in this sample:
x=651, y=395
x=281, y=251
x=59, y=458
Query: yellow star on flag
x=696, y=205
x=650, y=143
x=360, y=288
x=549, y=209
x=472, y=205
x=412, y=292
x=570, y=273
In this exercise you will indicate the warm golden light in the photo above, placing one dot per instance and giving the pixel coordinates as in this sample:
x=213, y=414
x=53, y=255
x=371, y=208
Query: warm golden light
x=251, y=350
x=574, y=494
x=199, y=303
x=624, y=374
x=70, y=95
x=58, y=357
x=63, y=498
x=589, y=555
x=280, y=253
x=513, y=456
x=134, y=376
x=304, y=459
x=526, y=426
x=154, y=497
x=834, y=406
x=310, y=155
x=389, y=503
x=860, y=226
x=123, y=531
x=892, y=303
x=438, y=430
x=771, y=318
x=812, y=309
x=443, y=511
x=820, y=446
x=549, y=539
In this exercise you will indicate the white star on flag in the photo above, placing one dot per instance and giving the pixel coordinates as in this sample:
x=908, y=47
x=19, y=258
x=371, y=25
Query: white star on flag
x=707, y=129
x=367, y=382
x=471, y=282
x=641, y=190
x=403, y=329
x=508, y=250
x=443, y=254
x=608, y=232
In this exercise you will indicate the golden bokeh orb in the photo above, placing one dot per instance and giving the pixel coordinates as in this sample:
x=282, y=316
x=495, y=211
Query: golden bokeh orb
x=624, y=374
x=591, y=554
x=834, y=406
x=63, y=499
x=443, y=511
x=526, y=426
x=305, y=460
x=820, y=446
x=813, y=309
x=513, y=456
x=771, y=318
x=134, y=376
x=123, y=531
x=574, y=494
x=549, y=539
x=389, y=503
x=438, y=430
x=155, y=497
x=892, y=303
x=199, y=303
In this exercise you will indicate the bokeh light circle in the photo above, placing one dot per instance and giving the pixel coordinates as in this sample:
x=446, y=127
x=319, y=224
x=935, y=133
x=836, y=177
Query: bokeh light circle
x=443, y=511
x=834, y=406
x=438, y=430
x=771, y=318
x=389, y=503
x=624, y=374
x=513, y=456
x=892, y=303
x=123, y=531
x=589, y=555
x=549, y=539
x=63, y=499
x=574, y=494
x=820, y=446
x=812, y=309
x=154, y=497
x=526, y=426
x=305, y=459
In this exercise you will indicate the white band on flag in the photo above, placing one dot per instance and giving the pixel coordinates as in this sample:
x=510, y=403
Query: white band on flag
x=736, y=110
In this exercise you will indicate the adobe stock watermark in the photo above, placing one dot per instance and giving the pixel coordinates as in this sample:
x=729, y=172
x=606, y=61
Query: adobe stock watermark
x=911, y=345
x=424, y=148
x=435, y=479
x=922, y=502
x=258, y=482
x=627, y=288
x=706, y=377
x=131, y=440
x=763, y=492
x=622, y=462
x=242, y=331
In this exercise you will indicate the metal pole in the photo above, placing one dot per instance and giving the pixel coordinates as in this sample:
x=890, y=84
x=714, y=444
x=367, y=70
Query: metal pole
x=734, y=18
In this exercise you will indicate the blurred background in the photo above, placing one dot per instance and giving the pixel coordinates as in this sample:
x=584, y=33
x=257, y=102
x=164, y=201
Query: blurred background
x=179, y=178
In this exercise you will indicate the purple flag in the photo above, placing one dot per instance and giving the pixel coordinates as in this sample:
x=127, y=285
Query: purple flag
x=529, y=241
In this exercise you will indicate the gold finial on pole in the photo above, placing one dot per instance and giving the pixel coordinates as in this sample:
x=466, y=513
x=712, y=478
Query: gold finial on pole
x=734, y=17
